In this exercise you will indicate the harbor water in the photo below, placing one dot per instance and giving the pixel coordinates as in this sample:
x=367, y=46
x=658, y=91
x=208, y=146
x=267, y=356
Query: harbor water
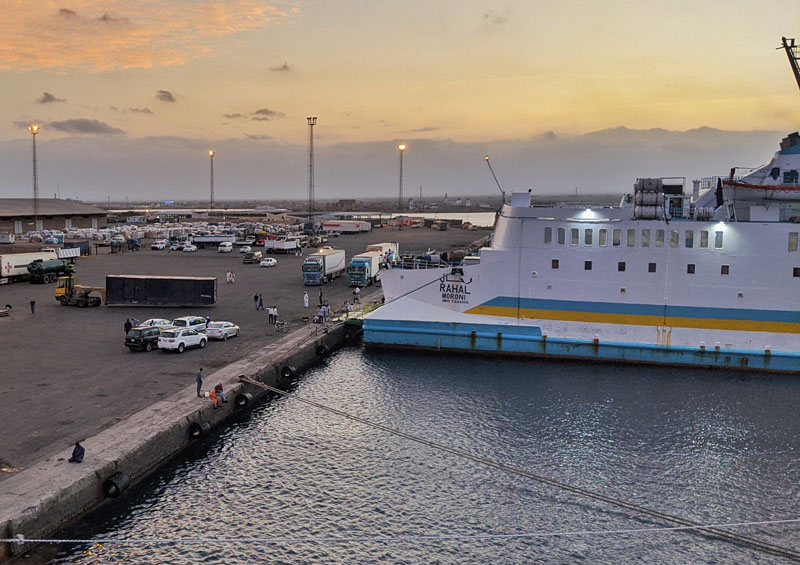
x=292, y=483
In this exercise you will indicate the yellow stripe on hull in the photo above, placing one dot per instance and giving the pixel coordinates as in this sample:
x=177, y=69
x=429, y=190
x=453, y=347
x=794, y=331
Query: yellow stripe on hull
x=637, y=320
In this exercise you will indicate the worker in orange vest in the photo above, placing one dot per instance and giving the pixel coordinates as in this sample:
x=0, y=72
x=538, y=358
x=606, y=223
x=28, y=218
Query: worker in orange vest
x=212, y=395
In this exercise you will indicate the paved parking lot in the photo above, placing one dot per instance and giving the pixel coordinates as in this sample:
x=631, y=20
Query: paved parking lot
x=66, y=375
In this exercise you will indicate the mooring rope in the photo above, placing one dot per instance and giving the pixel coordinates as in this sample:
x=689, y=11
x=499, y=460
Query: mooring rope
x=689, y=524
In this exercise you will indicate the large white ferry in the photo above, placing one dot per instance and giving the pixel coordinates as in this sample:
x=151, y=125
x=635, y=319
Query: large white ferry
x=706, y=277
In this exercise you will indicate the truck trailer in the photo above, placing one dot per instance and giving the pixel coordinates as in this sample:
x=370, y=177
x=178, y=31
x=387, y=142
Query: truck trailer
x=323, y=265
x=390, y=250
x=346, y=226
x=281, y=245
x=209, y=240
x=152, y=290
x=364, y=268
x=49, y=270
x=14, y=266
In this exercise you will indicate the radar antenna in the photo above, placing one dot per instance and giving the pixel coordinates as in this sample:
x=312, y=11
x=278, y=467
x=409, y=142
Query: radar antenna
x=503, y=192
x=794, y=57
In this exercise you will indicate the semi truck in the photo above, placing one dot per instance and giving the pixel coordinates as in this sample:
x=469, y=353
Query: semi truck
x=364, y=268
x=14, y=266
x=323, y=265
x=49, y=270
x=209, y=240
x=281, y=245
x=70, y=293
x=347, y=226
x=152, y=290
x=385, y=249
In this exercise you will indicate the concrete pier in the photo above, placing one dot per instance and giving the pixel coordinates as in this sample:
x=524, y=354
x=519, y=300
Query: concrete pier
x=38, y=501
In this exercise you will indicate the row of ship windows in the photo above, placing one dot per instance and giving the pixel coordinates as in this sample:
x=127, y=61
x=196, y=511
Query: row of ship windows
x=691, y=268
x=644, y=237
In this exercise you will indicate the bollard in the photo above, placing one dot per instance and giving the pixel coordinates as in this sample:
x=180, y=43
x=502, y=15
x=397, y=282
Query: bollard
x=288, y=372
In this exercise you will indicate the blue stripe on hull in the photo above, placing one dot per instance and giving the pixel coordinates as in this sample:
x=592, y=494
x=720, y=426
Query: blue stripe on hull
x=528, y=341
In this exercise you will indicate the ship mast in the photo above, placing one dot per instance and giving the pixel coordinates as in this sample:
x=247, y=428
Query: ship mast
x=794, y=59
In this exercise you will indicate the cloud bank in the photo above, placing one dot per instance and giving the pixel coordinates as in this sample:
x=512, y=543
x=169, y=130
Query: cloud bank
x=99, y=36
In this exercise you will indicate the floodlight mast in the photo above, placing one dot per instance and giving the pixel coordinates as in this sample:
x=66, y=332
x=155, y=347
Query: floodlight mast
x=503, y=192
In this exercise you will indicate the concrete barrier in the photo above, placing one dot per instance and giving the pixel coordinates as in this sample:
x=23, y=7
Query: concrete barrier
x=44, y=498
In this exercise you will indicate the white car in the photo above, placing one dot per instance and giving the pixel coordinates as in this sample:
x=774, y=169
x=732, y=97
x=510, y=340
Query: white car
x=177, y=246
x=197, y=323
x=245, y=249
x=268, y=262
x=222, y=330
x=157, y=322
x=159, y=244
x=177, y=339
x=189, y=248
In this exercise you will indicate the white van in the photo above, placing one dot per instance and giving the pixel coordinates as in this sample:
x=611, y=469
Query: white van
x=225, y=247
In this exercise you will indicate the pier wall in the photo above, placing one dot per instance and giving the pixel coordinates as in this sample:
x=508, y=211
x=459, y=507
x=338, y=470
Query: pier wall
x=40, y=500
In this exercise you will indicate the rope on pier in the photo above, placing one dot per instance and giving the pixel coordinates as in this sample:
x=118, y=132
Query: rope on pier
x=689, y=524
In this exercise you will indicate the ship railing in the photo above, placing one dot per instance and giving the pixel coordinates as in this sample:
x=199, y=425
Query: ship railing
x=423, y=264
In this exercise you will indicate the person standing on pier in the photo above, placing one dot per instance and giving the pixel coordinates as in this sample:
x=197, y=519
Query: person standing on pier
x=320, y=297
x=260, y=302
x=255, y=301
x=199, y=379
x=305, y=299
x=275, y=314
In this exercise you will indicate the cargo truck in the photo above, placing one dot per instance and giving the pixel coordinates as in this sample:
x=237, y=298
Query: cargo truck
x=347, y=226
x=212, y=240
x=281, y=245
x=14, y=266
x=364, y=268
x=323, y=265
x=49, y=270
x=152, y=290
x=390, y=250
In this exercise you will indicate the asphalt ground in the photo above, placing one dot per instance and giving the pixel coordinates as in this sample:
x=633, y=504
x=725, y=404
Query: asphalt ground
x=66, y=374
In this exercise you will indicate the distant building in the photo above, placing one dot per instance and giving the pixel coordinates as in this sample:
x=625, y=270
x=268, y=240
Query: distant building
x=16, y=215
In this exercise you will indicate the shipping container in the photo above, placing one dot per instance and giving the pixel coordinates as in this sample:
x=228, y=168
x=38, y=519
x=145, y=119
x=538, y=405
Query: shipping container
x=152, y=290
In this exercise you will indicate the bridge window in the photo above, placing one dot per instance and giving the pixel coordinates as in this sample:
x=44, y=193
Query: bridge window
x=674, y=238
x=659, y=238
x=718, y=239
x=562, y=235
x=602, y=237
x=548, y=236
x=616, y=237
x=704, y=239
x=631, y=241
x=793, y=241
x=688, y=239
x=587, y=237
x=645, y=238
x=574, y=236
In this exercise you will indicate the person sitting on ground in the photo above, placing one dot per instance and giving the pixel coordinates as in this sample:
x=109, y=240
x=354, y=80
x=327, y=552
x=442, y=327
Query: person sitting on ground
x=212, y=396
x=218, y=392
x=78, y=453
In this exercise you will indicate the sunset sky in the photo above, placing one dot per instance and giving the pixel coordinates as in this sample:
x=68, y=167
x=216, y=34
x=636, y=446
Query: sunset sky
x=131, y=95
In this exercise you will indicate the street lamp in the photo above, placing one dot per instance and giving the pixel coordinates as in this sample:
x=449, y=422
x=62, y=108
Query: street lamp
x=34, y=129
x=401, y=148
x=211, y=155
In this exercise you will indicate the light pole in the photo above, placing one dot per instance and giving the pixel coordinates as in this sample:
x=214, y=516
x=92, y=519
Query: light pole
x=312, y=121
x=211, y=156
x=34, y=129
x=401, y=148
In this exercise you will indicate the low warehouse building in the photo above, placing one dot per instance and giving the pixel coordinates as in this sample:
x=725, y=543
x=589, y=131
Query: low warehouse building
x=16, y=215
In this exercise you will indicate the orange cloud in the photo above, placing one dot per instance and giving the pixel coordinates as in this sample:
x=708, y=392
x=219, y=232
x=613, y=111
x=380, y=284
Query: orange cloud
x=101, y=36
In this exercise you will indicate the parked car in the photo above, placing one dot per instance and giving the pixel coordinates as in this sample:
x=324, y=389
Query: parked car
x=178, y=339
x=252, y=257
x=159, y=244
x=268, y=262
x=222, y=330
x=189, y=248
x=197, y=323
x=225, y=247
x=142, y=338
x=245, y=249
x=157, y=322
x=176, y=247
